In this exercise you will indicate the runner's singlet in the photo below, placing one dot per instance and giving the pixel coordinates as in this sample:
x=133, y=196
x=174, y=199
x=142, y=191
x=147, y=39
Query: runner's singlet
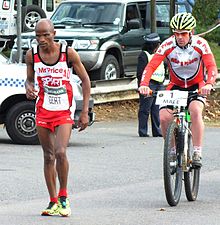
x=55, y=90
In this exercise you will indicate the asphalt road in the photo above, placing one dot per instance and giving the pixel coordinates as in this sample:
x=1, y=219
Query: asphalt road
x=115, y=179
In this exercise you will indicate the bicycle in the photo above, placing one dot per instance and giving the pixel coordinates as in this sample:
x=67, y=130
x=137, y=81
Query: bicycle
x=179, y=165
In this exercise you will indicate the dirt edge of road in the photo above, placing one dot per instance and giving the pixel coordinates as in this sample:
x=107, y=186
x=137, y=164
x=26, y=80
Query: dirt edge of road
x=128, y=110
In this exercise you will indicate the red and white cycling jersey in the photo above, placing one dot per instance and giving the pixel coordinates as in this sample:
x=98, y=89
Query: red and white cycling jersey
x=186, y=65
x=55, y=90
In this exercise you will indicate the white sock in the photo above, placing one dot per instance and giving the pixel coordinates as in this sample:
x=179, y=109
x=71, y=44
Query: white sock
x=197, y=149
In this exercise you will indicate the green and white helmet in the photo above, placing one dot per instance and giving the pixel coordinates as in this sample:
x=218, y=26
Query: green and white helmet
x=183, y=21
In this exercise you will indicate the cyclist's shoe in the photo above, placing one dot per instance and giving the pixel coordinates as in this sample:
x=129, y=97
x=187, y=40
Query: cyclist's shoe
x=64, y=206
x=51, y=210
x=196, y=159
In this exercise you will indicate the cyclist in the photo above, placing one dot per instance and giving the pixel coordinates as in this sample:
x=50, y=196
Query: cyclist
x=186, y=54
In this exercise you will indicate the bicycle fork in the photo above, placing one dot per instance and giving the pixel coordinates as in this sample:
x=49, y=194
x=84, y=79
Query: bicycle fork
x=183, y=136
x=186, y=150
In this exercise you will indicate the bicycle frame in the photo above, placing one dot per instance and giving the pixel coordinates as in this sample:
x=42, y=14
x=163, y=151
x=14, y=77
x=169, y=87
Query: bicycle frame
x=182, y=119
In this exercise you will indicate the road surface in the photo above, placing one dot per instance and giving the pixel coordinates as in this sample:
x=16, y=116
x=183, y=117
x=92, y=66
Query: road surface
x=115, y=179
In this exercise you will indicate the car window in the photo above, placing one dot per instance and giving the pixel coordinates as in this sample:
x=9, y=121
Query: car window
x=181, y=8
x=50, y=5
x=88, y=13
x=142, y=9
x=29, y=2
x=131, y=12
x=163, y=14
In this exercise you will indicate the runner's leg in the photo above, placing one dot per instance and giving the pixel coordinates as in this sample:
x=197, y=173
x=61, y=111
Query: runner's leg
x=63, y=133
x=47, y=139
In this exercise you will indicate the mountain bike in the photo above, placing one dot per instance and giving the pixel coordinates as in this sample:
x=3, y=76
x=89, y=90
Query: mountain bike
x=177, y=165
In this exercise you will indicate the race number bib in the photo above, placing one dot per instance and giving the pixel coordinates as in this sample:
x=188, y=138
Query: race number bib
x=173, y=97
x=55, y=98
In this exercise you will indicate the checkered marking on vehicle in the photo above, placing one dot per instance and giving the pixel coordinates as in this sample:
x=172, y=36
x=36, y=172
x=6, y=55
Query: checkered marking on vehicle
x=12, y=82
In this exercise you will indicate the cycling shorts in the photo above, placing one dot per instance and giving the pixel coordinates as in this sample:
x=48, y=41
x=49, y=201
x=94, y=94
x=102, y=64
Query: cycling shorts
x=53, y=124
x=191, y=97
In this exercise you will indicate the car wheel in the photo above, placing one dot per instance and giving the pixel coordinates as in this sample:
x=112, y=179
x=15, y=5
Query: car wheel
x=20, y=123
x=31, y=14
x=110, y=68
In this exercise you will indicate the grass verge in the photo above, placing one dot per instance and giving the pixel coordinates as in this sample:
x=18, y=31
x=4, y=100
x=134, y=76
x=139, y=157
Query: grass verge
x=216, y=51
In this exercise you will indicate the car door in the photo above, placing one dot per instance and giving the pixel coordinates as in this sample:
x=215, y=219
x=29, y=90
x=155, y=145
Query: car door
x=132, y=37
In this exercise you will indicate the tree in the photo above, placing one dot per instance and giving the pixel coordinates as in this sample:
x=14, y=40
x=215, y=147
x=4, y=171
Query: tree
x=206, y=14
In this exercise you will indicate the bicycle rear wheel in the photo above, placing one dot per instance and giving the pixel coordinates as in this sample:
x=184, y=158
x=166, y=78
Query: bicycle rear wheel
x=172, y=165
x=192, y=177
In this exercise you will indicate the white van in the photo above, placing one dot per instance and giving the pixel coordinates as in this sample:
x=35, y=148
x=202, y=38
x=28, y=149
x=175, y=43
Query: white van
x=32, y=11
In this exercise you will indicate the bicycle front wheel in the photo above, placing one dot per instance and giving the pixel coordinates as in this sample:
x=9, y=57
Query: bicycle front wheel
x=172, y=165
x=192, y=177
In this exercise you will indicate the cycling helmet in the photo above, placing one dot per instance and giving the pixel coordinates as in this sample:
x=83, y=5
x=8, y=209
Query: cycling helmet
x=183, y=21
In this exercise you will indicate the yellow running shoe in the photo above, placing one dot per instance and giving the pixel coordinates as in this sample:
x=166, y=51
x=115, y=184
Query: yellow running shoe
x=51, y=210
x=64, y=206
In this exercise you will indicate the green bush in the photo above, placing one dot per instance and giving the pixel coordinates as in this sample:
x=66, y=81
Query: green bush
x=206, y=13
x=216, y=51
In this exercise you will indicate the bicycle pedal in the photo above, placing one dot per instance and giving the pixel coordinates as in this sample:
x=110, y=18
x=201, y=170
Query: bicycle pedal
x=196, y=166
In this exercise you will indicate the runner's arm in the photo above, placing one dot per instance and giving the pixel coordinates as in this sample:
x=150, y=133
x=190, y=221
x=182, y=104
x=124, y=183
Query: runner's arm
x=29, y=83
x=83, y=75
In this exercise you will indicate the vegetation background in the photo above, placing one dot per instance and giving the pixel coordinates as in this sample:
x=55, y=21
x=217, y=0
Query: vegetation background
x=207, y=14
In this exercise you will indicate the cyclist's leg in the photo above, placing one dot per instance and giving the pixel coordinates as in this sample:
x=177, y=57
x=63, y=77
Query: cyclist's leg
x=166, y=117
x=197, y=128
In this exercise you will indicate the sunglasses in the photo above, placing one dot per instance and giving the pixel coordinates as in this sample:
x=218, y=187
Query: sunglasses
x=181, y=33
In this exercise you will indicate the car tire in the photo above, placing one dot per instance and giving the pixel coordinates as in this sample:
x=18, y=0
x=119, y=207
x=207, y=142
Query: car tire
x=109, y=70
x=31, y=14
x=20, y=123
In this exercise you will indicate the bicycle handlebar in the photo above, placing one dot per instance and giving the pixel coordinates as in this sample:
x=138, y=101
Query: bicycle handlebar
x=197, y=91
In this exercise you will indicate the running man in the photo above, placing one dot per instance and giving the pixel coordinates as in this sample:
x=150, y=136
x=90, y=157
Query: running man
x=50, y=63
x=186, y=54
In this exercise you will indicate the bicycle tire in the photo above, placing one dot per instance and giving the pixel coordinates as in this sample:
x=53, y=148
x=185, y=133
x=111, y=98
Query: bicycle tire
x=172, y=193
x=192, y=177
